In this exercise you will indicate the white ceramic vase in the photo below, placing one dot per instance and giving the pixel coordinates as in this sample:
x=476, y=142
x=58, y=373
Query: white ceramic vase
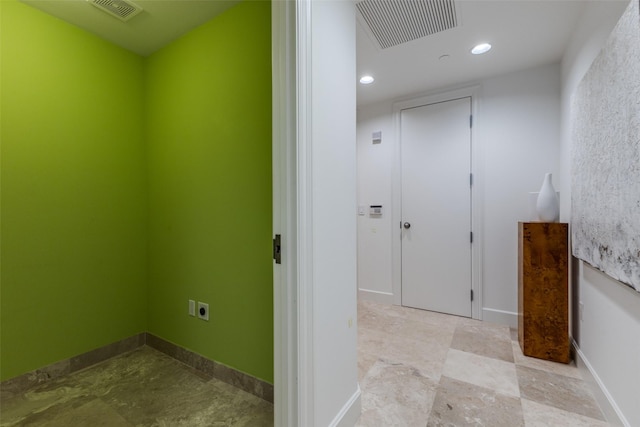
x=548, y=206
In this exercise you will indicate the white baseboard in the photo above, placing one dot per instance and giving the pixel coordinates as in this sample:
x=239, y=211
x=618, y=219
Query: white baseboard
x=350, y=412
x=611, y=411
x=500, y=316
x=376, y=296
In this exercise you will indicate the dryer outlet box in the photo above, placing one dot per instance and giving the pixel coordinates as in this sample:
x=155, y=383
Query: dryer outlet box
x=203, y=311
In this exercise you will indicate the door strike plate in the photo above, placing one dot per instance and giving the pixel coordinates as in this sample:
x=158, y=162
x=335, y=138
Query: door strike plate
x=277, y=249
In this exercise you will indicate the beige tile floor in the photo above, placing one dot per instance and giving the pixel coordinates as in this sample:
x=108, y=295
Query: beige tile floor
x=140, y=388
x=416, y=368
x=419, y=368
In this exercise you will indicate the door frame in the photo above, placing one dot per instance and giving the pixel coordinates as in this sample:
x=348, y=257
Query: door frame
x=294, y=308
x=476, y=193
x=285, y=291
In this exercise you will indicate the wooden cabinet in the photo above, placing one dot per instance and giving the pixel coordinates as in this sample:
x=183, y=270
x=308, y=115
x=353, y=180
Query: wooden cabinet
x=543, y=290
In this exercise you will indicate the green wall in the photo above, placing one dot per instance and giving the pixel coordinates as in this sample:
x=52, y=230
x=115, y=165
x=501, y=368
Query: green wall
x=130, y=185
x=74, y=199
x=209, y=128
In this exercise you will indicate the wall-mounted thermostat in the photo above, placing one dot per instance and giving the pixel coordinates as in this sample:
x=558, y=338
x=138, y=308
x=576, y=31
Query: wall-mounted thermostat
x=375, y=210
x=376, y=137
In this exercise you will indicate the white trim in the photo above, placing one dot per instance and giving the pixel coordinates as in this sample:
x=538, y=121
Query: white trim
x=476, y=195
x=306, y=395
x=396, y=213
x=477, y=208
x=501, y=317
x=350, y=412
x=284, y=214
x=377, y=296
x=609, y=407
x=294, y=363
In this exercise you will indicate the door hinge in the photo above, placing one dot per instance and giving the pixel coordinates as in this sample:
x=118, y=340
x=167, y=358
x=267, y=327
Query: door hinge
x=470, y=180
x=277, y=249
x=471, y=237
x=471, y=120
x=471, y=294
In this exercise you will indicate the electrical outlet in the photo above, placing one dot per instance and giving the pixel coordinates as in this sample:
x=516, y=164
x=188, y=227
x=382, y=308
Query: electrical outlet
x=203, y=311
x=192, y=308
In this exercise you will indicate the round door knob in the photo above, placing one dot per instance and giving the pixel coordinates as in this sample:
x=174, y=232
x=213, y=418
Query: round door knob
x=406, y=225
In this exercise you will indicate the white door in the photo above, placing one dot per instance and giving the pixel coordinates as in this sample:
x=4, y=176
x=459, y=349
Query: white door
x=436, y=207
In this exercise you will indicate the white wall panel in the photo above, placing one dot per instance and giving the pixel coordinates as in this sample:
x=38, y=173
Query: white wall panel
x=608, y=332
x=517, y=126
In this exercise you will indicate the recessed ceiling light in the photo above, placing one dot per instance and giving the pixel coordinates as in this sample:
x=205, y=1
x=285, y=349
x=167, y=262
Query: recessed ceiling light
x=366, y=80
x=481, y=48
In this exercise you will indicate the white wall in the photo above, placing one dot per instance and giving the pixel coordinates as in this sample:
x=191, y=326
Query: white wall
x=374, y=188
x=330, y=157
x=519, y=129
x=517, y=126
x=608, y=332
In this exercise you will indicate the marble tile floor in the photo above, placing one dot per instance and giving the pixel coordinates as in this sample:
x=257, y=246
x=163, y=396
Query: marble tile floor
x=416, y=368
x=141, y=388
x=420, y=368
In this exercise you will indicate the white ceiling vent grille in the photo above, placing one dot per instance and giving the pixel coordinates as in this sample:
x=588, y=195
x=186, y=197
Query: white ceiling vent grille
x=121, y=9
x=393, y=22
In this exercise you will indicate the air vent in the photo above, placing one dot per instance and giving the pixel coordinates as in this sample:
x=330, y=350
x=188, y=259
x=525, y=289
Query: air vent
x=393, y=22
x=121, y=9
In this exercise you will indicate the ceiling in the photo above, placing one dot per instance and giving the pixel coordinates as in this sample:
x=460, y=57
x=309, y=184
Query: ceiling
x=523, y=34
x=160, y=22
